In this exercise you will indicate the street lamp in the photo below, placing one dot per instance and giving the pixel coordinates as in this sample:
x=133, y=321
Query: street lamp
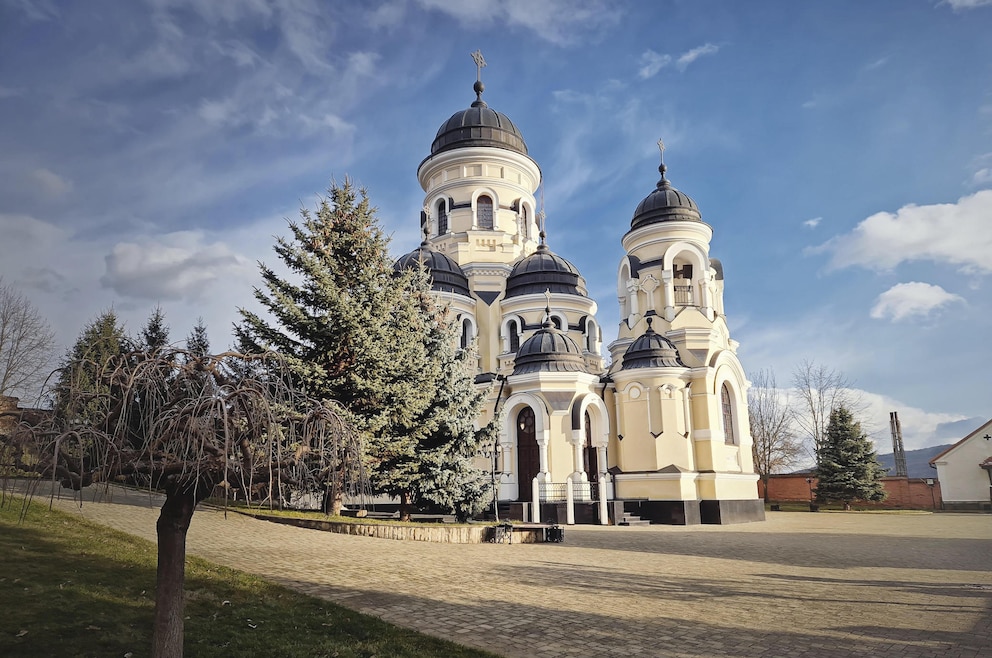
x=933, y=501
x=497, y=474
x=809, y=483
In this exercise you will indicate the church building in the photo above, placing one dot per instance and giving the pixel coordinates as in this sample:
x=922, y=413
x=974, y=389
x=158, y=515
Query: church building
x=658, y=434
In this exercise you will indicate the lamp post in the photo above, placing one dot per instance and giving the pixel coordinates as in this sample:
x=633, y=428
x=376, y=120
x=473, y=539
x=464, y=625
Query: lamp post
x=933, y=501
x=809, y=483
x=497, y=475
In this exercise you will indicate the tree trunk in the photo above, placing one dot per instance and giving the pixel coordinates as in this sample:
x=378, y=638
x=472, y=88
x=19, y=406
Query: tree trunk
x=333, y=500
x=405, y=506
x=173, y=522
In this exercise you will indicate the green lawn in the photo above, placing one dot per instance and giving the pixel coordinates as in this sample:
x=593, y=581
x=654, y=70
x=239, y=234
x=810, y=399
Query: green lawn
x=72, y=588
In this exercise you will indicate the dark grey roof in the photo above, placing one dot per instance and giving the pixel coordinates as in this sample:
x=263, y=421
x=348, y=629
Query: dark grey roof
x=544, y=270
x=718, y=266
x=479, y=125
x=446, y=275
x=651, y=350
x=665, y=204
x=548, y=350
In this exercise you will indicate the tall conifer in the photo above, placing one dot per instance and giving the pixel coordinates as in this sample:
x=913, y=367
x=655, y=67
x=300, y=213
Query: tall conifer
x=848, y=469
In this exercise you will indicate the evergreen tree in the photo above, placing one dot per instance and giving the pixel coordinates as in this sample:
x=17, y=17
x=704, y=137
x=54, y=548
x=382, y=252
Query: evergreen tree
x=432, y=461
x=345, y=323
x=155, y=333
x=82, y=368
x=848, y=469
x=197, y=343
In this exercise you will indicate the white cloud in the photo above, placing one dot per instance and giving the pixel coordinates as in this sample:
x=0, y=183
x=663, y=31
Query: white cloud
x=174, y=266
x=920, y=428
x=651, y=63
x=956, y=233
x=982, y=177
x=878, y=63
x=51, y=184
x=960, y=5
x=37, y=10
x=911, y=300
x=691, y=56
x=388, y=14
x=560, y=22
x=812, y=223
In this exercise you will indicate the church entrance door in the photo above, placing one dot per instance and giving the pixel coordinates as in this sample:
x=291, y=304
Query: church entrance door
x=528, y=453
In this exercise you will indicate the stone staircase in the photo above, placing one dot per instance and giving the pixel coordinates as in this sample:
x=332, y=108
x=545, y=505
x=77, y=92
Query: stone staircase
x=630, y=519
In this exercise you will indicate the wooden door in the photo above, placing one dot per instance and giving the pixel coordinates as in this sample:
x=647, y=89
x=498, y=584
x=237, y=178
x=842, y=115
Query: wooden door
x=528, y=453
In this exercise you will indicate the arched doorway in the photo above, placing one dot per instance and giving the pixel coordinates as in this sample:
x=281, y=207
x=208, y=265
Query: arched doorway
x=590, y=454
x=528, y=453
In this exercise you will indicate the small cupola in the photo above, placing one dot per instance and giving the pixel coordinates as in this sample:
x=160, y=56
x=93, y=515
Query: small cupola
x=651, y=350
x=665, y=203
x=548, y=350
x=446, y=275
x=543, y=271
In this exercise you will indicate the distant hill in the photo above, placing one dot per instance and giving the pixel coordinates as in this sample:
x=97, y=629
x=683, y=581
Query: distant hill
x=917, y=461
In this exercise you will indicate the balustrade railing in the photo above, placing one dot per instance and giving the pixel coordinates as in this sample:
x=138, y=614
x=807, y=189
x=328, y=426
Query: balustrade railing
x=683, y=296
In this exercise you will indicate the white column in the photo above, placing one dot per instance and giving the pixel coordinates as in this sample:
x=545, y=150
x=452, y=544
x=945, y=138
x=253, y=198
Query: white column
x=536, y=497
x=569, y=502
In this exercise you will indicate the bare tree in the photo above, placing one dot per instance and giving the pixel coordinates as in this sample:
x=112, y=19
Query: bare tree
x=776, y=446
x=819, y=391
x=188, y=425
x=26, y=344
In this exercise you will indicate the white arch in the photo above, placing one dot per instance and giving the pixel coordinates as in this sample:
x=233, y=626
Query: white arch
x=435, y=216
x=504, y=331
x=623, y=276
x=561, y=319
x=491, y=193
x=592, y=342
x=727, y=371
x=700, y=263
x=599, y=416
x=528, y=219
x=466, y=337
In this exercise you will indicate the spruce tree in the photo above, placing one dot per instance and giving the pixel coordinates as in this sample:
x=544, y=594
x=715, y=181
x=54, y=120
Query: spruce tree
x=432, y=457
x=155, y=333
x=344, y=322
x=197, y=343
x=98, y=343
x=848, y=469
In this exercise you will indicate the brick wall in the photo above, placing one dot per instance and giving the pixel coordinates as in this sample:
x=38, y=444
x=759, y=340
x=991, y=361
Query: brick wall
x=904, y=493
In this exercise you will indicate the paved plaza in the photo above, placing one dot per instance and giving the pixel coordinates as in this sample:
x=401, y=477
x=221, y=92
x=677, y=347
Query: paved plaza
x=799, y=584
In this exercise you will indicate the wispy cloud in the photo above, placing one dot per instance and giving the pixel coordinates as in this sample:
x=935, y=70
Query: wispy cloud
x=812, y=223
x=876, y=64
x=962, y=5
x=913, y=300
x=561, y=22
x=688, y=57
x=36, y=10
x=652, y=62
x=52, y=185
x=982, y=177
x=959, y=234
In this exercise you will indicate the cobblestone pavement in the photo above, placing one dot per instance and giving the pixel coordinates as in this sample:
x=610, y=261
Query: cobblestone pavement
x=826, y=584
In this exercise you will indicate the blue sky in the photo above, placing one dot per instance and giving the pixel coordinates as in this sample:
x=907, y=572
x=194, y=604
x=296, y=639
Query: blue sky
x=842, y=152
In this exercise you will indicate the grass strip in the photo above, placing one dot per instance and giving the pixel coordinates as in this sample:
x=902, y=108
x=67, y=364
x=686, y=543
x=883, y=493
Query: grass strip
x=70, y=587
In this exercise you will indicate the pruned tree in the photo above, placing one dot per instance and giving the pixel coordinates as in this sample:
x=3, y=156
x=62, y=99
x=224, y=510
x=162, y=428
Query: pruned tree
x=819, y=390
x=344, y=323
x=26, y=344
x=776, y=446
x=187, y=425
x=848, y=468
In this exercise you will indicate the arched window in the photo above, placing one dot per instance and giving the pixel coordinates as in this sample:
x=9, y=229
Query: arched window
x=592, y=334
x=728, y=415
x=484, y=212
x=590, y=456
x=514, y=332
x=526, y=221
x=442, y=218
x=528, y=453
x=467, y=336
x=556, y=321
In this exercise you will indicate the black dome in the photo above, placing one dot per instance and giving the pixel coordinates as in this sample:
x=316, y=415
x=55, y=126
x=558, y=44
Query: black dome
x=651, y=350
x=544, y=270
x=446, y=275
x=548, y=350
x=665, y=204
x=479, y=125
